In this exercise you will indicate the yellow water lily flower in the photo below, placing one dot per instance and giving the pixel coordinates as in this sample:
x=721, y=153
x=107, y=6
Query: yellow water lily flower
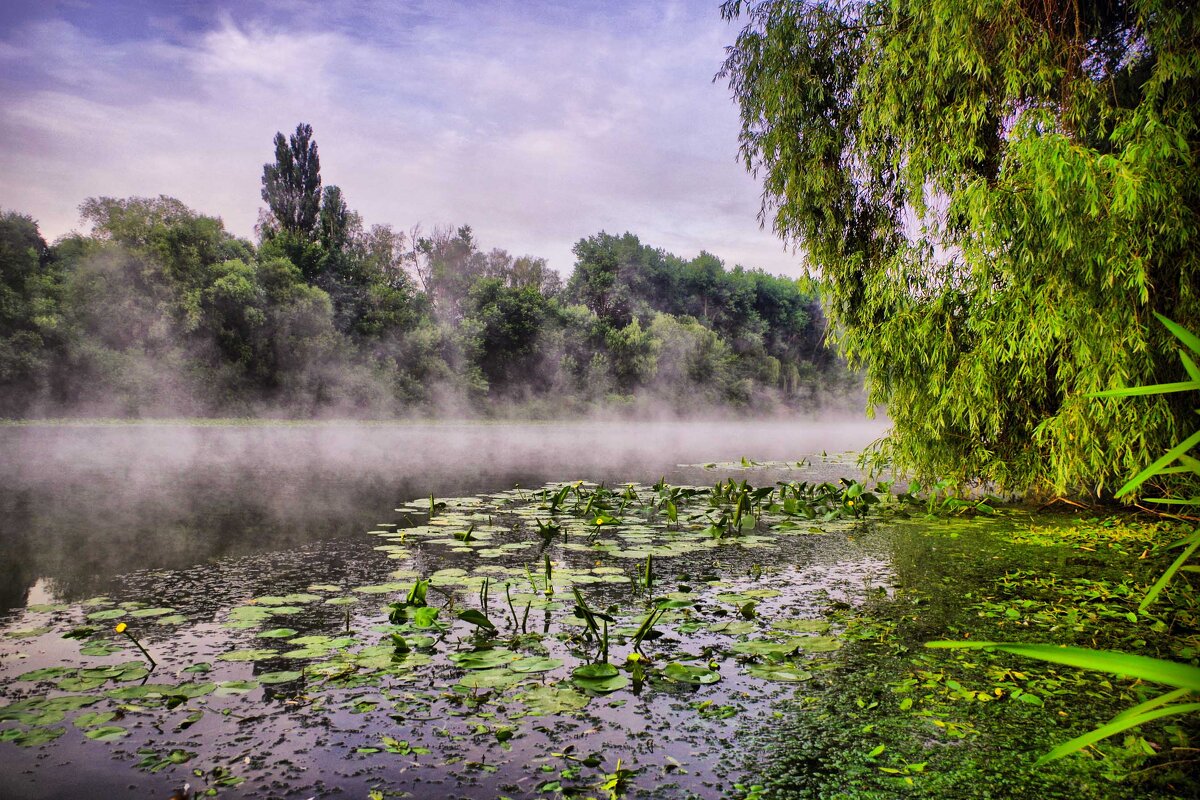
x=121, y=626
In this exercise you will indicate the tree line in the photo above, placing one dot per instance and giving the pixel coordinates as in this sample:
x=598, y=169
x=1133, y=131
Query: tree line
x=159, y=310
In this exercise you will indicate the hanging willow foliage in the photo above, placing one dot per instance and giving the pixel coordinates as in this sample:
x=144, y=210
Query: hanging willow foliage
x=997, y=195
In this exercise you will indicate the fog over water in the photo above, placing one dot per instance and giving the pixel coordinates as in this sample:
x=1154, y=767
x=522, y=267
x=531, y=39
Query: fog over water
x=81, y=505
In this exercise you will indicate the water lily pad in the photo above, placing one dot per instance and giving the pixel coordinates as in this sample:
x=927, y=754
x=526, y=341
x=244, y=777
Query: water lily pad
x=45, y=673
x=553, y=699
x=235, y=687
x=111, y=613
x=151, y=612
x=484, y=659
x=765, y=647
x=285, y=610
x=599, y=678
x=90, y=719
x=106, y=733
x=801, y=625
x=70, y=702
x=286, y=600
x=489, y=679
x=192, y=690
x=278, y=633
x=251, y=654
x=690, y=674
x=283, y=676
x=817, y=644
x=780, y=672
x=534, y=664
x=142, y=691
x=34, y=737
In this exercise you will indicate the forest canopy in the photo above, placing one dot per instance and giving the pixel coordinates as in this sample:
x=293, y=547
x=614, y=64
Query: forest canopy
x=997, y=196
x=158, y=310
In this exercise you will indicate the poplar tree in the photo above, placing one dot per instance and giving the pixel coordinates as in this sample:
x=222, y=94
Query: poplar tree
x=996, y=194
x=291, y=187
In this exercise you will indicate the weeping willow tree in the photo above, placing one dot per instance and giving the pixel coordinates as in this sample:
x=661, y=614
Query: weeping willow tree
x=997, y=196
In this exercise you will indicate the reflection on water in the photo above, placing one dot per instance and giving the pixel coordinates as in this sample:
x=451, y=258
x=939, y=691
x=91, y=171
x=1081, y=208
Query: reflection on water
x=82, y=505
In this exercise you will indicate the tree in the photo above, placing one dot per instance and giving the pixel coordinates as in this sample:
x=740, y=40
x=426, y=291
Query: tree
x=449, y=264
x=337, y=221
x=291, y=187
x=510, y=323
x=996, y=196
x=30, y=318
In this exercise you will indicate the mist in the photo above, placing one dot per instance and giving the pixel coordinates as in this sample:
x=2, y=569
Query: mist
x=82, y=505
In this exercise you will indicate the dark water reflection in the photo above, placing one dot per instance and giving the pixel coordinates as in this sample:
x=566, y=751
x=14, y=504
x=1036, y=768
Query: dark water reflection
x=81, y=506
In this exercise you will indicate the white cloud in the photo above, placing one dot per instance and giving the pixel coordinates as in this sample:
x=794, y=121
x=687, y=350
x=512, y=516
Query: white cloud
x=534, y=129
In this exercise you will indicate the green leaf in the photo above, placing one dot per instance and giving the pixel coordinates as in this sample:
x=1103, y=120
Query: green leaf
x=253, y=654
x=112, y=613
x=1152, y=470
x=476, y=618
x=285, y=676
x=535, y=664
x=1169, y=573
x=1192, y=370
x=1116, y=726
x=1157, y=388
x=1181, y=333
x=788, y=673
x=278, y=633
x=687, y=673
x=107, y=733
x=1157, y=670
x=1154, y=702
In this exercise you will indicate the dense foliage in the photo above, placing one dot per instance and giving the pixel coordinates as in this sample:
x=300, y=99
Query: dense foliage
x=998, y=196
x=159, y=310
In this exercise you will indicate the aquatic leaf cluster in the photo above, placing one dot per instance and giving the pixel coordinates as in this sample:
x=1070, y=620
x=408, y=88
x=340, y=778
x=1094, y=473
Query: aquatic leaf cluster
x=566, y=601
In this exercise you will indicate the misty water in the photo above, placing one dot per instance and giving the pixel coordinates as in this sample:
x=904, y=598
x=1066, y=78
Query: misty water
x=256, y=564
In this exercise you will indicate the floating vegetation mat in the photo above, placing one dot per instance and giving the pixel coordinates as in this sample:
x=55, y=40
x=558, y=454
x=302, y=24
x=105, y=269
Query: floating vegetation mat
x=576, y=640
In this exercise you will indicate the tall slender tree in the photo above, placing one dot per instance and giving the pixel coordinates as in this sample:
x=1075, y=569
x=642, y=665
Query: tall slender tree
x=291, y=187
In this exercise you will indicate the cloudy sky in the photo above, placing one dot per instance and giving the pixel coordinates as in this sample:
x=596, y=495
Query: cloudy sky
x=534, y=121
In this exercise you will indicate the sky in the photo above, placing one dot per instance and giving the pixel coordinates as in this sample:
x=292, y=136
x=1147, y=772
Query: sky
x=535, y=122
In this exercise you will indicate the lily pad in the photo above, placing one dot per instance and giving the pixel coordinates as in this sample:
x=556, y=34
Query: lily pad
x=283, y=676
x=534, y=664
x=278, y=633
x=780, y=672
x=151, y=612
x=252, y=654
x=489, y=679
x=553, y=699
x=599, y=678
x=107, y=733
x=112, y=613
x=484, y=659
x=690, y=674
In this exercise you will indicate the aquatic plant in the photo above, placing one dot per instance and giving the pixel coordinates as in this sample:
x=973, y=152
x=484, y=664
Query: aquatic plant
x=124, y=629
